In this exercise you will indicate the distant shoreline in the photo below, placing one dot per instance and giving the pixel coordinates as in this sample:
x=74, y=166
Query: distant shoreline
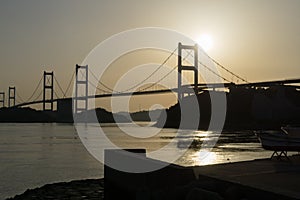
x=246, y=109
x=29, y=115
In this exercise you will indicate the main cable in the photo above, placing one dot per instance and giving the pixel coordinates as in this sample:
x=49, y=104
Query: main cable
x=224, y=68
x=36, y=88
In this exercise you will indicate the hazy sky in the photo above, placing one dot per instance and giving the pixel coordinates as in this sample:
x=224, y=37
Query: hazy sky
x=257, y=39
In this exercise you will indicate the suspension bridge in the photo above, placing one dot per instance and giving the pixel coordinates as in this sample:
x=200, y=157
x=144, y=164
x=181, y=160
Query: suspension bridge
x=45, y=94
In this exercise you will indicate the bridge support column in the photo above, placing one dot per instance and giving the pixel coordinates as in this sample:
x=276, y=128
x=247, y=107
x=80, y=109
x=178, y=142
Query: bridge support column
x=81, y=102
x=2, y=99
x=11, y=96
x=48, y=91
x=182, y=67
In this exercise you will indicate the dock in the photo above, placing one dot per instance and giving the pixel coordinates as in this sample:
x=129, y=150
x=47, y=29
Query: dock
x=280, y=176
x=256, y=179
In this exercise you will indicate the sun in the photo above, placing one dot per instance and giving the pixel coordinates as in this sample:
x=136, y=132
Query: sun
x=205, y=41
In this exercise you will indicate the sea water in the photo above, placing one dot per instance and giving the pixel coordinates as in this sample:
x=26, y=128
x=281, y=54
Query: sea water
x=35, y=154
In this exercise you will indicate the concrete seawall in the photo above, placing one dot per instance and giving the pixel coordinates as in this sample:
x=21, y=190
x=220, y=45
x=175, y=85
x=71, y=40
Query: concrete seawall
x=267, y=179
x=257, y=179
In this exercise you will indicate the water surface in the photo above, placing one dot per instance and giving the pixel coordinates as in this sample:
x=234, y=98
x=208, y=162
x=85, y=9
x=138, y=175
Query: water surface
x=32, y=155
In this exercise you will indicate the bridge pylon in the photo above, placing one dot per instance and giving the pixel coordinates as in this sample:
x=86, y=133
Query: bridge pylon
x=48, y=91
x=182, y=67
x=11, y=96
x=2, y=99
x=81, y=84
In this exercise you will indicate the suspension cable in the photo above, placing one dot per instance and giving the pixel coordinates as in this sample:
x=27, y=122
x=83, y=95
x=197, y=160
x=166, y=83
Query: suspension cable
x=160, y=66
x=212, y=71
x=144, y=80
x=38, y=96
x=97, y=88
x=64, y=94
x=188, y=53
x=224, y=68
x=69, y=85
x=57, y=97
x=22, y=101
x=104, y=85
x=35, y=90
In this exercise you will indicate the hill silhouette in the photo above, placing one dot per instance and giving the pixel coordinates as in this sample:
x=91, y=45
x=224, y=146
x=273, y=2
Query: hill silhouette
x=247, y=108
x=25, y=115
x=29, y=115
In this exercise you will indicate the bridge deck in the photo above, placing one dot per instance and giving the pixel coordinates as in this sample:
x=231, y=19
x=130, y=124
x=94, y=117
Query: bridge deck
x=201, y=86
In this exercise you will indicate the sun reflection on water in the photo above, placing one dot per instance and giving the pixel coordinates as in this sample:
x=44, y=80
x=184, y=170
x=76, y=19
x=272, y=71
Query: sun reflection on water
x=202, y=133
x=204, y=157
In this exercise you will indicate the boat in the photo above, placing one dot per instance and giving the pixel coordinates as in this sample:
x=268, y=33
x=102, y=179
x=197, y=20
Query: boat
x=291, y=131
x=278, y=141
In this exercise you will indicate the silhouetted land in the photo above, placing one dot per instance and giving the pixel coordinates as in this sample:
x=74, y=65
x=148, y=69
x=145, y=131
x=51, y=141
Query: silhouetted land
x=29, y=115
x=247, y=108
x=25, y=115
x=152, y=115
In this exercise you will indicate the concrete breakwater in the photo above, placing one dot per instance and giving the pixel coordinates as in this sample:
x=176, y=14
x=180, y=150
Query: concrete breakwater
x=257, y=179
x=204, y=182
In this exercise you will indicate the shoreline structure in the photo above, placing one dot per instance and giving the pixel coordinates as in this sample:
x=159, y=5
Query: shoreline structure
x=261, y=178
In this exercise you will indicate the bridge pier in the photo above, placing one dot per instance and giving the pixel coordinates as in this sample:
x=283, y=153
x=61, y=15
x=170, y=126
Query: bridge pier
x=81, y=84
x=182, y=67
x=11, y=96
x=2, y=99
x=48, y=88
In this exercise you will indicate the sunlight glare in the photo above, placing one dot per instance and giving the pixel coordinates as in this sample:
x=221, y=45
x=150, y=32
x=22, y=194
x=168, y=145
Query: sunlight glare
x=204, y=157
x=205, y=41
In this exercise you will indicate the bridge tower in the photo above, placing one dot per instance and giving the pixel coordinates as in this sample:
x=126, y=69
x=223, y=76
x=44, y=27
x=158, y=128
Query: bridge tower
x=81, y=84
x=2, y=99
x=182, y=67
x=11, y=96
x=48, y=91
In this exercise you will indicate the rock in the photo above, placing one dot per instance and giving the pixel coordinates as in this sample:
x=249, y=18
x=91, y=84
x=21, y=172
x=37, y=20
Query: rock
x=82, y=189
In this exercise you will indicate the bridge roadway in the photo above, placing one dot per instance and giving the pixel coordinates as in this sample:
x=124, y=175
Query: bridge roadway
x=201, y=86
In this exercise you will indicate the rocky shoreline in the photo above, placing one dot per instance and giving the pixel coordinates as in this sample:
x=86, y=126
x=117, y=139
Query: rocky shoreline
x=78, y=189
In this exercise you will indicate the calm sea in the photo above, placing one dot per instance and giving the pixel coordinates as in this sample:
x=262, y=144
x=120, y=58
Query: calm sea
x=32, y=155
